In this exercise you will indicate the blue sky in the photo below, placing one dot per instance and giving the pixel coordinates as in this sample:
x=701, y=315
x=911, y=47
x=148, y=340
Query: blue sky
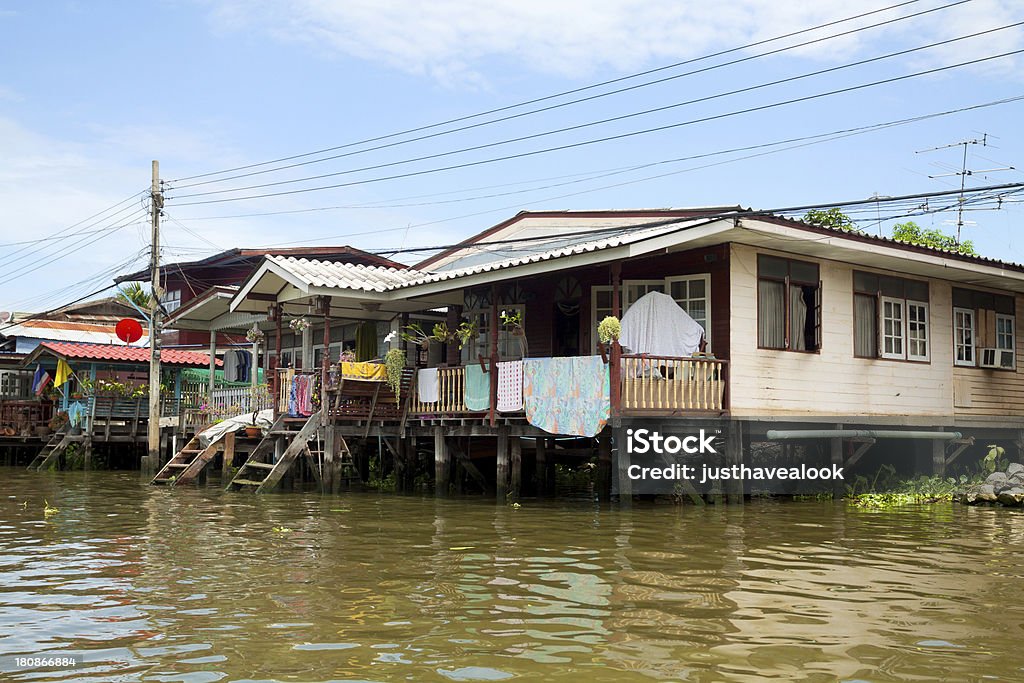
x=90, y=92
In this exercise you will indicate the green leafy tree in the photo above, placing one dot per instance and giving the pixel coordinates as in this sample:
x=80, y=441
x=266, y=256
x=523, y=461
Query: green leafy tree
x=135, y=293
x=830, y=218
x=914, y=234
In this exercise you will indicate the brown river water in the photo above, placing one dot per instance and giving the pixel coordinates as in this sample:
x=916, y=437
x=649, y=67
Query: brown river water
x=198, y=585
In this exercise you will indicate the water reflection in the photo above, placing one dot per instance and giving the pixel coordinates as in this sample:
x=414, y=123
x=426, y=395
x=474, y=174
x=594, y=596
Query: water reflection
x=197, y=585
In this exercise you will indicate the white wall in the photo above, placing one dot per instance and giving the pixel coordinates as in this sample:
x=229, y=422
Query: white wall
x=765, y=382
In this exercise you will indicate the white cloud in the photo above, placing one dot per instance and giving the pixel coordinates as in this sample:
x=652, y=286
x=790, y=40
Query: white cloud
x=450, y=39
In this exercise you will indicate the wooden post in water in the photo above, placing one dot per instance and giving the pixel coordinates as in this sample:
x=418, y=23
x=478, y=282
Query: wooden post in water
x=332, y=458
x=501, y=477
x=734, y=456
x=540, y=474
x=604, y=465
x=623, y=458
x=516, y=453
x=442, y=462
x=228, y=459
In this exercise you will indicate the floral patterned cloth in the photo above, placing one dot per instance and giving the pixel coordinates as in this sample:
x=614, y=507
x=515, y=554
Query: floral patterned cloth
x=567, y=395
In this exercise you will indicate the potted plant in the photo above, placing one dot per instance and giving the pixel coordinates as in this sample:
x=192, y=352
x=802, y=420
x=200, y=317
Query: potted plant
x=609, y=330
x=414, y=334
x=59, y=419
x=298, y=324
x=512, y=321
x=254, y=335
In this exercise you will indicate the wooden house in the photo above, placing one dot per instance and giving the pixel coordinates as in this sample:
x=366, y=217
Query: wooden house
x=803, y=325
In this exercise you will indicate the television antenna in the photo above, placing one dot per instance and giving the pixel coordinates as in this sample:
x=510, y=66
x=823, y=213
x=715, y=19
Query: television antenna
x=963, y=173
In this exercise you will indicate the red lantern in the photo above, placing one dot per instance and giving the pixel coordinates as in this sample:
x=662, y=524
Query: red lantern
x=129, y=330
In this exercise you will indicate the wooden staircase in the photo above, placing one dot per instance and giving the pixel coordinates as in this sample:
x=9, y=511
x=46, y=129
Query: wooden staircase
x=261, y=473
x=188, y=463
x=49, y=453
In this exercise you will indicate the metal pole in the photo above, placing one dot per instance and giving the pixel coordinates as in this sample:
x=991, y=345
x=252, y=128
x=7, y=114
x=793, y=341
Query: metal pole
x=156, y=204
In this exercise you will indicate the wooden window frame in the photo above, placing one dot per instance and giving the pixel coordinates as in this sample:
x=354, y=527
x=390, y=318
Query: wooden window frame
x=923, y=305
x=973, y=362
x=789, y=281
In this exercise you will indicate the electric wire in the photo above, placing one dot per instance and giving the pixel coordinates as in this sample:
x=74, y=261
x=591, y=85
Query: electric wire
x=619, y=136
x=545, y=98
x=572, y=102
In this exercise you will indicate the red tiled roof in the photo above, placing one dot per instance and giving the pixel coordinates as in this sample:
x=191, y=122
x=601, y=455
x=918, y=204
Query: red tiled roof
x=126, y=354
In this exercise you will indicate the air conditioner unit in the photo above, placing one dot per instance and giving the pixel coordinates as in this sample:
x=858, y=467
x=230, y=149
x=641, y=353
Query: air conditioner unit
x=995, y=358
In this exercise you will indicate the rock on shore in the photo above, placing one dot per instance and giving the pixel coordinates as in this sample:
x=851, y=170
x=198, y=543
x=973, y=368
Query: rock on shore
x=1006, y=488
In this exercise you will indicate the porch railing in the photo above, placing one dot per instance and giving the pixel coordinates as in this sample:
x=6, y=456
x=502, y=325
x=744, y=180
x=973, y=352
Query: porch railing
x=671, y=384
x=451, y=394
x=649, y=384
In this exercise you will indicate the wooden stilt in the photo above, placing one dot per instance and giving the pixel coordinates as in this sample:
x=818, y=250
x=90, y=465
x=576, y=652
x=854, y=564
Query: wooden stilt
x=442, y=463
x=604, y=466
x=540, y=475
x=836, y=452
x=501, y=478
x=516, y=458
x=623, y=458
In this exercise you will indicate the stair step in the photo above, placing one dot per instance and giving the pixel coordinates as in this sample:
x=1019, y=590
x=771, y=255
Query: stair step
x=261, y=465
x=189, y=450
x=175, y=464
x=280, y=432
x=161, y=481
x=246, y=482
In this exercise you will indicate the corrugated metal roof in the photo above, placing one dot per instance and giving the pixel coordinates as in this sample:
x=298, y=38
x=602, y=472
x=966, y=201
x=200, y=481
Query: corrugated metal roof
x=126, y=354
x=346, y=275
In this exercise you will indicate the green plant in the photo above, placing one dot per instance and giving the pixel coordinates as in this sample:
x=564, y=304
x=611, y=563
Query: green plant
x=394, y=364
x=914, y=234
x=512, y=320
x=466, y=332
x=994, y=459
x=609, y=329
x=414, y=334
x=831, y=218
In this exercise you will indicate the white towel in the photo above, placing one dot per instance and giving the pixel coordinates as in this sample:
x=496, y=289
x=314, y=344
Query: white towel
x=427, y=385
x=510, y=386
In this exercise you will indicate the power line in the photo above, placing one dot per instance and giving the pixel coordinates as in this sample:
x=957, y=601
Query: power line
x=549, y=97
x=817, y=138
x=620, y=136
x=572, y=102
x=613, y=119
x=58, y=235
x=732, y=213
x=62, y=253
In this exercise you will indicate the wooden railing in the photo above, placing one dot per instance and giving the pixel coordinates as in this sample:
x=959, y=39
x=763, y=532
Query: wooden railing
x=451, y=394
x=669, y=385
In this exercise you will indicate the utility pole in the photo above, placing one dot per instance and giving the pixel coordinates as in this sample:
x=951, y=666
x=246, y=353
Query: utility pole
x=156, y=204
x=963, y=173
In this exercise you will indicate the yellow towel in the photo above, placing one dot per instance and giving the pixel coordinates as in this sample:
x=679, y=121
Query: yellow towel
x=63, y=373
x=374, y=371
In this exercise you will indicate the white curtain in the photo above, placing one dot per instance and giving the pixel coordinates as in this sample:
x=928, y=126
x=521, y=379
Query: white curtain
x=771, y=320
x=797, y=319
x=865, y=337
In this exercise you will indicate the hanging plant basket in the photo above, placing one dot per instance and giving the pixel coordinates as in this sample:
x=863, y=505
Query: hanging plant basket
x=254, y=335
x=298, y=324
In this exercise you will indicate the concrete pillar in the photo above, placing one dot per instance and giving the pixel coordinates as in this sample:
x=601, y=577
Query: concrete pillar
x=442, y=463
x=516, y=458
x=501, y=478
x=836, y=452
x=213, y=364
x=938, y=458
